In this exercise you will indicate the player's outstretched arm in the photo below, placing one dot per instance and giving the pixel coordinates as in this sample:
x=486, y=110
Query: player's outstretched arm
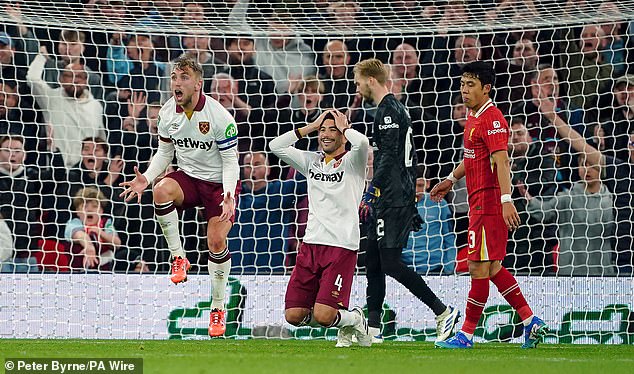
x=159, y=163
x=442, y=189
x=503, y=166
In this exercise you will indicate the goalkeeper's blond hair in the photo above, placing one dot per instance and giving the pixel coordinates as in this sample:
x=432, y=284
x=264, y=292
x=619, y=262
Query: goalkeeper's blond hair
x=372, y=68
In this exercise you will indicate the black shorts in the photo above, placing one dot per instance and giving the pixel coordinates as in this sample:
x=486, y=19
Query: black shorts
x=391, y=226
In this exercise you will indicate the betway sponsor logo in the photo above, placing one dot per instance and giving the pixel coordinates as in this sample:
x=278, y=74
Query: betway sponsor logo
x=335, y=177
x=191, y=143
x=496, y=131
x=388, y=126
x=469, y=153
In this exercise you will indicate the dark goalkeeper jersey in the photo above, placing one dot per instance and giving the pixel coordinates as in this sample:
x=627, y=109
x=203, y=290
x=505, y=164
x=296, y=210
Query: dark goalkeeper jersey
x=394, y=154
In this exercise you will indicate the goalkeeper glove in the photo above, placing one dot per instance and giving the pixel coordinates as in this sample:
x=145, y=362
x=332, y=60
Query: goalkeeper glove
x=369, y=198
x=417, y=222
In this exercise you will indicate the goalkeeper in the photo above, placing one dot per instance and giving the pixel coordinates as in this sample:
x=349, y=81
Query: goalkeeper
x=392, y=197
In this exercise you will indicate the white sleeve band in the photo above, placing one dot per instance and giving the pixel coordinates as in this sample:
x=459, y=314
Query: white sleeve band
x=452, y=178
x=230, y=171
x=506, y=198
x=160, y=161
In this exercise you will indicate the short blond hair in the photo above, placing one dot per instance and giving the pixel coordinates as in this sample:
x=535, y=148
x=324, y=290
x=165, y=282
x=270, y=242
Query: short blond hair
x=89, y=194
x=187, y=61
x=372, y=68
x=311, y=83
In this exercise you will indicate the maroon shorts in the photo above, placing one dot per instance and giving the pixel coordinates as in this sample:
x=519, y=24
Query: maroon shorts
x=198, y=192
x=322, y=274
x=487, y=238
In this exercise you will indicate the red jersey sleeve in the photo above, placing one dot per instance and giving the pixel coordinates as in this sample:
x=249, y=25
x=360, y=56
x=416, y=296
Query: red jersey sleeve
x=495, y=132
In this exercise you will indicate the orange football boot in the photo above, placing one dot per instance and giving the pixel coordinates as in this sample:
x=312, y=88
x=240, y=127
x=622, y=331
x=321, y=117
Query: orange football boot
x=179, y=269
x=217, y=323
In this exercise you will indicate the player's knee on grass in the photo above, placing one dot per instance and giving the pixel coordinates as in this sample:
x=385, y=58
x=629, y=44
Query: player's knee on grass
x=295, y=316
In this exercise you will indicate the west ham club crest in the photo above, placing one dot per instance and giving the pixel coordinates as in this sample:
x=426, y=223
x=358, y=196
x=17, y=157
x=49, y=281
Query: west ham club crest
x=203, y=127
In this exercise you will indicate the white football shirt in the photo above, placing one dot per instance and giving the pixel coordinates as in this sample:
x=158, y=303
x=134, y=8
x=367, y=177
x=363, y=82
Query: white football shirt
x=206, y=143
x=335, y=188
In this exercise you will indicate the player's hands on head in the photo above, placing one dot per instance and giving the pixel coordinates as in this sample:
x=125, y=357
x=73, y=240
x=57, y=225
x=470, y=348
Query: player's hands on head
x=440, y=190
x=511, y=218
x=134, y=187
x=228, y=207
x=341, y=121
x=314, y=126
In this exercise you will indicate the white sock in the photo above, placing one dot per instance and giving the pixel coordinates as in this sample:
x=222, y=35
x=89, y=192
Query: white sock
x=219, y=277
x=528, y=320
x=347, y=318
x=469, y=336
x=309, y=320
x=169, y=224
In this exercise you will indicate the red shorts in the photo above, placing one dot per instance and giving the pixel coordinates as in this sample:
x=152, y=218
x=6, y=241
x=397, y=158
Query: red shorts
x=322, y=274
x=487, y=238
x=198, y=192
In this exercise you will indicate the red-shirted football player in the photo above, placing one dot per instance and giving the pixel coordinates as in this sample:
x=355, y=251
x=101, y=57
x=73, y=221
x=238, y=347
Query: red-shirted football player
x=491, y=210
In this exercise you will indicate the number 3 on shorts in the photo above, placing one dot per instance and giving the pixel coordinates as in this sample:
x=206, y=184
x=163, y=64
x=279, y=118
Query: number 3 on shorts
x=380, y=227
x=472, y=239
x=339, y=282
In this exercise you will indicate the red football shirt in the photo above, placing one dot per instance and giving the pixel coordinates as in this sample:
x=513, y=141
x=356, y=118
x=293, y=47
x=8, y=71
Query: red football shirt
x=485, y=132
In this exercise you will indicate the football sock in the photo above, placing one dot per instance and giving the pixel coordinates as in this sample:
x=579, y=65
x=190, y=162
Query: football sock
x=309, y=320
x=393, y=266
x=510, y=290
x=219, y=268
x=345, y=318
x=478, y=295
x=375, y=290
x=167, y=218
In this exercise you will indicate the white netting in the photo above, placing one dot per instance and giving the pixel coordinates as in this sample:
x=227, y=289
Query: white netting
x=276, y=65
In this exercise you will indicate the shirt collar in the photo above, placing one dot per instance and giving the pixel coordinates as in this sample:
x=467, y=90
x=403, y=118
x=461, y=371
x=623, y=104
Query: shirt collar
x=199, y=106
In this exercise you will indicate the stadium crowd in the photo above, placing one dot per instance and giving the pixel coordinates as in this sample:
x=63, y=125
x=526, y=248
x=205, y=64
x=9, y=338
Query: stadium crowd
x=79, y=110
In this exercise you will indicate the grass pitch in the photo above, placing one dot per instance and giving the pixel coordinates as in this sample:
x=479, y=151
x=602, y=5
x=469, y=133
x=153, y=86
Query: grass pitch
x=320, y=356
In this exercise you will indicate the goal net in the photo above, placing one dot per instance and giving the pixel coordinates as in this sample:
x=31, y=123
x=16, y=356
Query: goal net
x=82, y=83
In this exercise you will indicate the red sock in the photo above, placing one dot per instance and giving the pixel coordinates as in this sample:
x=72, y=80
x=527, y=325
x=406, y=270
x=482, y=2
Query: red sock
x=478, y=295
x=508, y=287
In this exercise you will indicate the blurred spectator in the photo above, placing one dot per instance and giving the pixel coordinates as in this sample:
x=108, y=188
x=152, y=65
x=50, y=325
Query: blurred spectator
x=139, y=133
x=71, y=109
x=258, y=242
x=514, y=75
x=70, y=50
x=545, y=84
x=6, y=245
x=92, y=234
x=617, y=117
x=344, y=14
x=613, y=49
x=19, y=200
x=535, y=169
x=337, y=78
x=406, y=66
x=255, y=87
x=433, y=248
x=309, y=95
x=95, y=169
x=585, y=219
x=18, y=47
x=16, y=117
x=584, y=70
x=445, y=66
x=134, y=65
x=282, y=55
x=164, y=14
x=250, y=121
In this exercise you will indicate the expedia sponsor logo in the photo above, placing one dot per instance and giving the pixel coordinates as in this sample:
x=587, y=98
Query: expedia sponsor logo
x=191, y=143
x=469, y=153
x=335, y=177
x=388, y=126
x=496, y=131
